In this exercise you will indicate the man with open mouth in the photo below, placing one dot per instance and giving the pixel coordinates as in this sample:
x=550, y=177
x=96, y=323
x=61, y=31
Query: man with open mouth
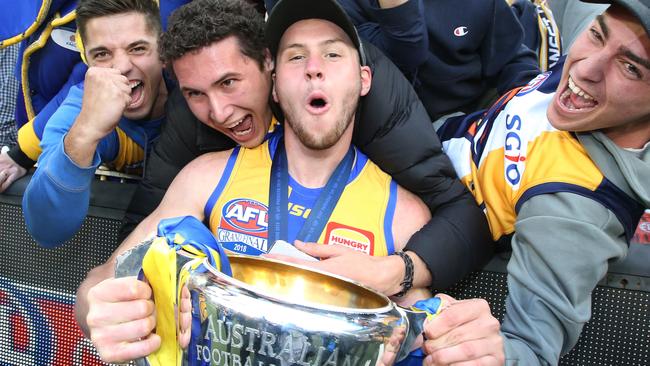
x=112, y=117
x=561, y=168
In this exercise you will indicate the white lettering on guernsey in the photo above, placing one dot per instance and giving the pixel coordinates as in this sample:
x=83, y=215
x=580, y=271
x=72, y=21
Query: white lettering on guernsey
x=251, y=240
x=334, y=239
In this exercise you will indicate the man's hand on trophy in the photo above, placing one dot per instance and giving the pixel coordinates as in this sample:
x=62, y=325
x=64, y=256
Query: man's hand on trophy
x=463, y=331
x=185, y=318
x=121, y=318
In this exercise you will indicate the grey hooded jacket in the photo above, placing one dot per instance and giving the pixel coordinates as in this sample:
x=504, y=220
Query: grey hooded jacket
x=562, y=247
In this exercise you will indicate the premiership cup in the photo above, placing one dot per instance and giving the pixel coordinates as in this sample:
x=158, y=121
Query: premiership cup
x=272, y=313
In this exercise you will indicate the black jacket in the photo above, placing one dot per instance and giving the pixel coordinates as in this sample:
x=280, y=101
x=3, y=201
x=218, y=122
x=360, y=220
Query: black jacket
x=393, y=129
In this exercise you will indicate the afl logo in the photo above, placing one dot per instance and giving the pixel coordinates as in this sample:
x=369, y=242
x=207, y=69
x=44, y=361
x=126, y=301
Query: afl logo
x=246, y=215
x=535, y=83
x=460, y=31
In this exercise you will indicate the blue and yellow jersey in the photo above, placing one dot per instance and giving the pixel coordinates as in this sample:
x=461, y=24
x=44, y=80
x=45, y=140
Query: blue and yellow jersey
x=237, y=211
x=511, y=153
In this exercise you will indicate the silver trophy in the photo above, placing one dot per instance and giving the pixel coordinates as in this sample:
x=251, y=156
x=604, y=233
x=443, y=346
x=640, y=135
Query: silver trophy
x=275, y=313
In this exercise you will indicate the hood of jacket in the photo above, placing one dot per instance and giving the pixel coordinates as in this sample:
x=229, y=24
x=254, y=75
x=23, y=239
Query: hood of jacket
x=628, y=170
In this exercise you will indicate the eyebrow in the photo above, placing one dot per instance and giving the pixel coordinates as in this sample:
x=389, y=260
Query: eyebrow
x=603, y=26
x=224, y=77
x=130, y=45
x=632, y=56
x=623, y=50
x=323, y=43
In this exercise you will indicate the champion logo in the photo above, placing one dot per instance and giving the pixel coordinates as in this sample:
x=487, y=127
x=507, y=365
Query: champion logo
x=461, y=31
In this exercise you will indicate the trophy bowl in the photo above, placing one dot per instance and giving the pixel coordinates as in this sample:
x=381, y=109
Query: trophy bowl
x=275, y=313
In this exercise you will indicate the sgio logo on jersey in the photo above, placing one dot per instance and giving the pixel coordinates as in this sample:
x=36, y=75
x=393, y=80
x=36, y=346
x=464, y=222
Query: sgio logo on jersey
x=514, y=153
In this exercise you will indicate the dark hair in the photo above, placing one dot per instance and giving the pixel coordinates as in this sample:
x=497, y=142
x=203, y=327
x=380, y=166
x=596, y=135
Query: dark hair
x=203, y=22
x=89, y=9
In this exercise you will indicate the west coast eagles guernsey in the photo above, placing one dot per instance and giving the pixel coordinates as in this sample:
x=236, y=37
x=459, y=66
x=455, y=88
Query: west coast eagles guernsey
x=511, y=152
x=237, y=211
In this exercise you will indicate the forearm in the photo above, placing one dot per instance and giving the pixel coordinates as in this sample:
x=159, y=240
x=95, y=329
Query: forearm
x=80, y=143
x=56, y=200
x=394, y=271
x=397, y=28
x=552, y=274
x=504, y=57
x=455, y=242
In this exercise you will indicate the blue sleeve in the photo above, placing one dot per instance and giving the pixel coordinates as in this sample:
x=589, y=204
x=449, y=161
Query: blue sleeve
x=56, y=200
x=505, y=59
x=400, y=32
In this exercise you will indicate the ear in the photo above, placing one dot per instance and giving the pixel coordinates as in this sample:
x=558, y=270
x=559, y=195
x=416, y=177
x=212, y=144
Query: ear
x=269, y=65
x=366, y=80
x=275, y=95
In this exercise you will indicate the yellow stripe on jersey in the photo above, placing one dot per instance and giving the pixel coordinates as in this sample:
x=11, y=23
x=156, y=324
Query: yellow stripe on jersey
x=28, y=142
x=129, y=152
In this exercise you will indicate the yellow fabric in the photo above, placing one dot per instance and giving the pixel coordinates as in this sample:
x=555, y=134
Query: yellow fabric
x=159, y=263
x=160, y=268
x=129, y=152
x=28, y=142
x=80, y=46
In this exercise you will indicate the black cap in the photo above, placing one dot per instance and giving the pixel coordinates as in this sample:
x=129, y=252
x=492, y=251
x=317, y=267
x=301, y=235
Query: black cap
x=287, y=12
x=640, y=9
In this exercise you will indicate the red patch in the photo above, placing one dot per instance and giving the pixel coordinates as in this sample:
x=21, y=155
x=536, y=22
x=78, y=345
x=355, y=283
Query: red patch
x=351, y=237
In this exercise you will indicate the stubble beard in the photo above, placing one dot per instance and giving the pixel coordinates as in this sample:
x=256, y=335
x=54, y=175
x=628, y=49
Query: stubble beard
x=329, y=138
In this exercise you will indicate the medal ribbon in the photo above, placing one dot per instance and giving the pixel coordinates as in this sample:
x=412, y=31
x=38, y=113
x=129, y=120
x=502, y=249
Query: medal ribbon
x=323, y=208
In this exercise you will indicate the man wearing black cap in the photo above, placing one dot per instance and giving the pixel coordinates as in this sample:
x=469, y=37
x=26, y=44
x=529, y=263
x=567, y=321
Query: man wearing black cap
x=318, y=82
x=562, y=168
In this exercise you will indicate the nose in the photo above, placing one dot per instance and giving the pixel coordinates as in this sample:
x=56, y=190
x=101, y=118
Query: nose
x=592, y=67
x=220, y=109
x=313, y=69
x=122, y=62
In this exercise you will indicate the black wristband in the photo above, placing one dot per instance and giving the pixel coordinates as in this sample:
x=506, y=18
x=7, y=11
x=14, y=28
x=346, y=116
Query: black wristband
x=407, y=283
x=20, y=157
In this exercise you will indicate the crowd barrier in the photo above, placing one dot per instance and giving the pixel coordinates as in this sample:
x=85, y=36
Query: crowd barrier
x=37, y=287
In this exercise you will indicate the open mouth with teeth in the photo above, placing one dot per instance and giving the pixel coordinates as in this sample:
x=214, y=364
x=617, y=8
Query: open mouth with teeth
x=575, y=99
x=243, y=127
x=137, y=92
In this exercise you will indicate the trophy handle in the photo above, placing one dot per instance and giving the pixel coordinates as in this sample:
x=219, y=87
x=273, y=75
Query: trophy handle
x=129, y=263
x=415, y=316
x=414, y=321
